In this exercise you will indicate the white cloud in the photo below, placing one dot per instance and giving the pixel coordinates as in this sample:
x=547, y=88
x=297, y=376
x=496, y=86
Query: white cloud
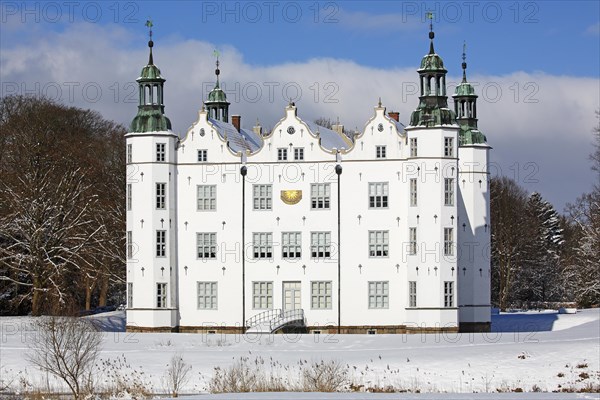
x=527, y=117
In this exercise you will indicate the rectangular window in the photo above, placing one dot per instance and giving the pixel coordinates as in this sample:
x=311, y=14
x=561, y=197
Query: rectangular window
x=161, y=243
x=206, y=244
x=129, y=153
x=378, y=243
x=207, y=295
x=262, y=245
x=161, y=196
x=320, y=244
x=320, y=196
x=298, y=154
x=378, y=195
x=448, y=294
x=413, y=147
x=202, y=155
x=129, y=245
x=320, y=295
x=161, y=295
x=448, y=147
x=412, y=241
x=412, y=293
x=448, y=191
x=160, y=152
x=413, y=192
x=291, y=245
x=262, y=199
x=448, y=241
x=129, y=294
x=282, y=154
x=129, y=198
x=380, y=152
x=262, y=295
x=206, y=197
x=379, y=294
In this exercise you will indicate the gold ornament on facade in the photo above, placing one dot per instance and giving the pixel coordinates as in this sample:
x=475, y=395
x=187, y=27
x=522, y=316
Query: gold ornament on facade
x=291, y=197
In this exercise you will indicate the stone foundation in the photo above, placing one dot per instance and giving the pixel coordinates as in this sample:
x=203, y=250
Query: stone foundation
x=468, y=327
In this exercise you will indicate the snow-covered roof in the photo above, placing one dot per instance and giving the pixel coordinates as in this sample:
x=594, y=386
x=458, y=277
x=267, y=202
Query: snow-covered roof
x=238, y=141
x=329, y=139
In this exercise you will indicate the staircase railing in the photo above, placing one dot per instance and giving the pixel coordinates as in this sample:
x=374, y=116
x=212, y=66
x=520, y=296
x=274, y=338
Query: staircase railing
x=275, y=318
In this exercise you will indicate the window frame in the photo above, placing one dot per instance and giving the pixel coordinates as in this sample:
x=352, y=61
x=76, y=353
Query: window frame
x=267, y=244
x=320, y=297
x=202, y=155
x=384, y=245
x=282, y=154
x=448, y=147
x=380, y=151
x=129, y=294
x=298, y=153
x=449, y=192
x=375, y=295
x=161, y=195
x=449, y=241
x=212, y=198
x=287, y=247
x=161, y=152
x=383, y=197
x=412, y=241
x=413, y=146
x=129, y=240
x=161, y=240
x=267, y=197
x=268, y=296
x=161, y=295
x=448, y=294
x=208, y=247
x=315, y=248
x=212, y=295
x=320, y=194
x=413, y=192
x=412, y=294
x=129, y=153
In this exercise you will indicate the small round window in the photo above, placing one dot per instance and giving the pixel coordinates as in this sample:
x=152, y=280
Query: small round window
x=202, y=132
x=380, y=127
x=291, y=130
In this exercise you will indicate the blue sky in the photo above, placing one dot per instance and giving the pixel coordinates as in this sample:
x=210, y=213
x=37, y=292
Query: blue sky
x=535, y=65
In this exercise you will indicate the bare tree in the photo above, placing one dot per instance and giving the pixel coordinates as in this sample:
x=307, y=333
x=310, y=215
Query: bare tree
x=177, y=375
x=67, y=348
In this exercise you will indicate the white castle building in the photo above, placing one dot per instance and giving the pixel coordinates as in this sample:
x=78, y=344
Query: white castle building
x=234, y=230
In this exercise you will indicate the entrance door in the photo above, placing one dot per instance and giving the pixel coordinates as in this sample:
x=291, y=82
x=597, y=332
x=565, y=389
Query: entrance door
x=291, y=296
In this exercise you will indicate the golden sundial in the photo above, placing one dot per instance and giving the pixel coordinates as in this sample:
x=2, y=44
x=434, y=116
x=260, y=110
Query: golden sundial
x=291, y=197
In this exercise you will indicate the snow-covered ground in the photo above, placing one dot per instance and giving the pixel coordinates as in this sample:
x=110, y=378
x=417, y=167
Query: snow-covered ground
x=531, y=351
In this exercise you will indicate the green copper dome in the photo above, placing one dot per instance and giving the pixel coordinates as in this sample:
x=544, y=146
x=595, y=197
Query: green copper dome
x=217, y=95
x=149, y=120
x=432, y=62
x=465, y=89
x=470, y=135
x=150, y=72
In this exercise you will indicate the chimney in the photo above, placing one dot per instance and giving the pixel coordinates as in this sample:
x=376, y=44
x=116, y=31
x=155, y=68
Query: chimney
x=257, y=128
x=395, y=115
x=338, y=128
x=235, y=121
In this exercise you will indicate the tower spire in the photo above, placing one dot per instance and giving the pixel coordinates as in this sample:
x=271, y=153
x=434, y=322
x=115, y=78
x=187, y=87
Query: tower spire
x=217, y=70
x=149, y=24
x=429, y=16
x=464, y=63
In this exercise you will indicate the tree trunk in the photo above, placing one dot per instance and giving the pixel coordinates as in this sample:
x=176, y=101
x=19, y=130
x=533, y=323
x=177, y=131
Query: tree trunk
x=103, y=290
x=88, y=294
x=35, y=299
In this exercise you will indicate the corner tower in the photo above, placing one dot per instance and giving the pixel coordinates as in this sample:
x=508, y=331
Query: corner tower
x=431, y=179
x=473, y=212
x=151, y=225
